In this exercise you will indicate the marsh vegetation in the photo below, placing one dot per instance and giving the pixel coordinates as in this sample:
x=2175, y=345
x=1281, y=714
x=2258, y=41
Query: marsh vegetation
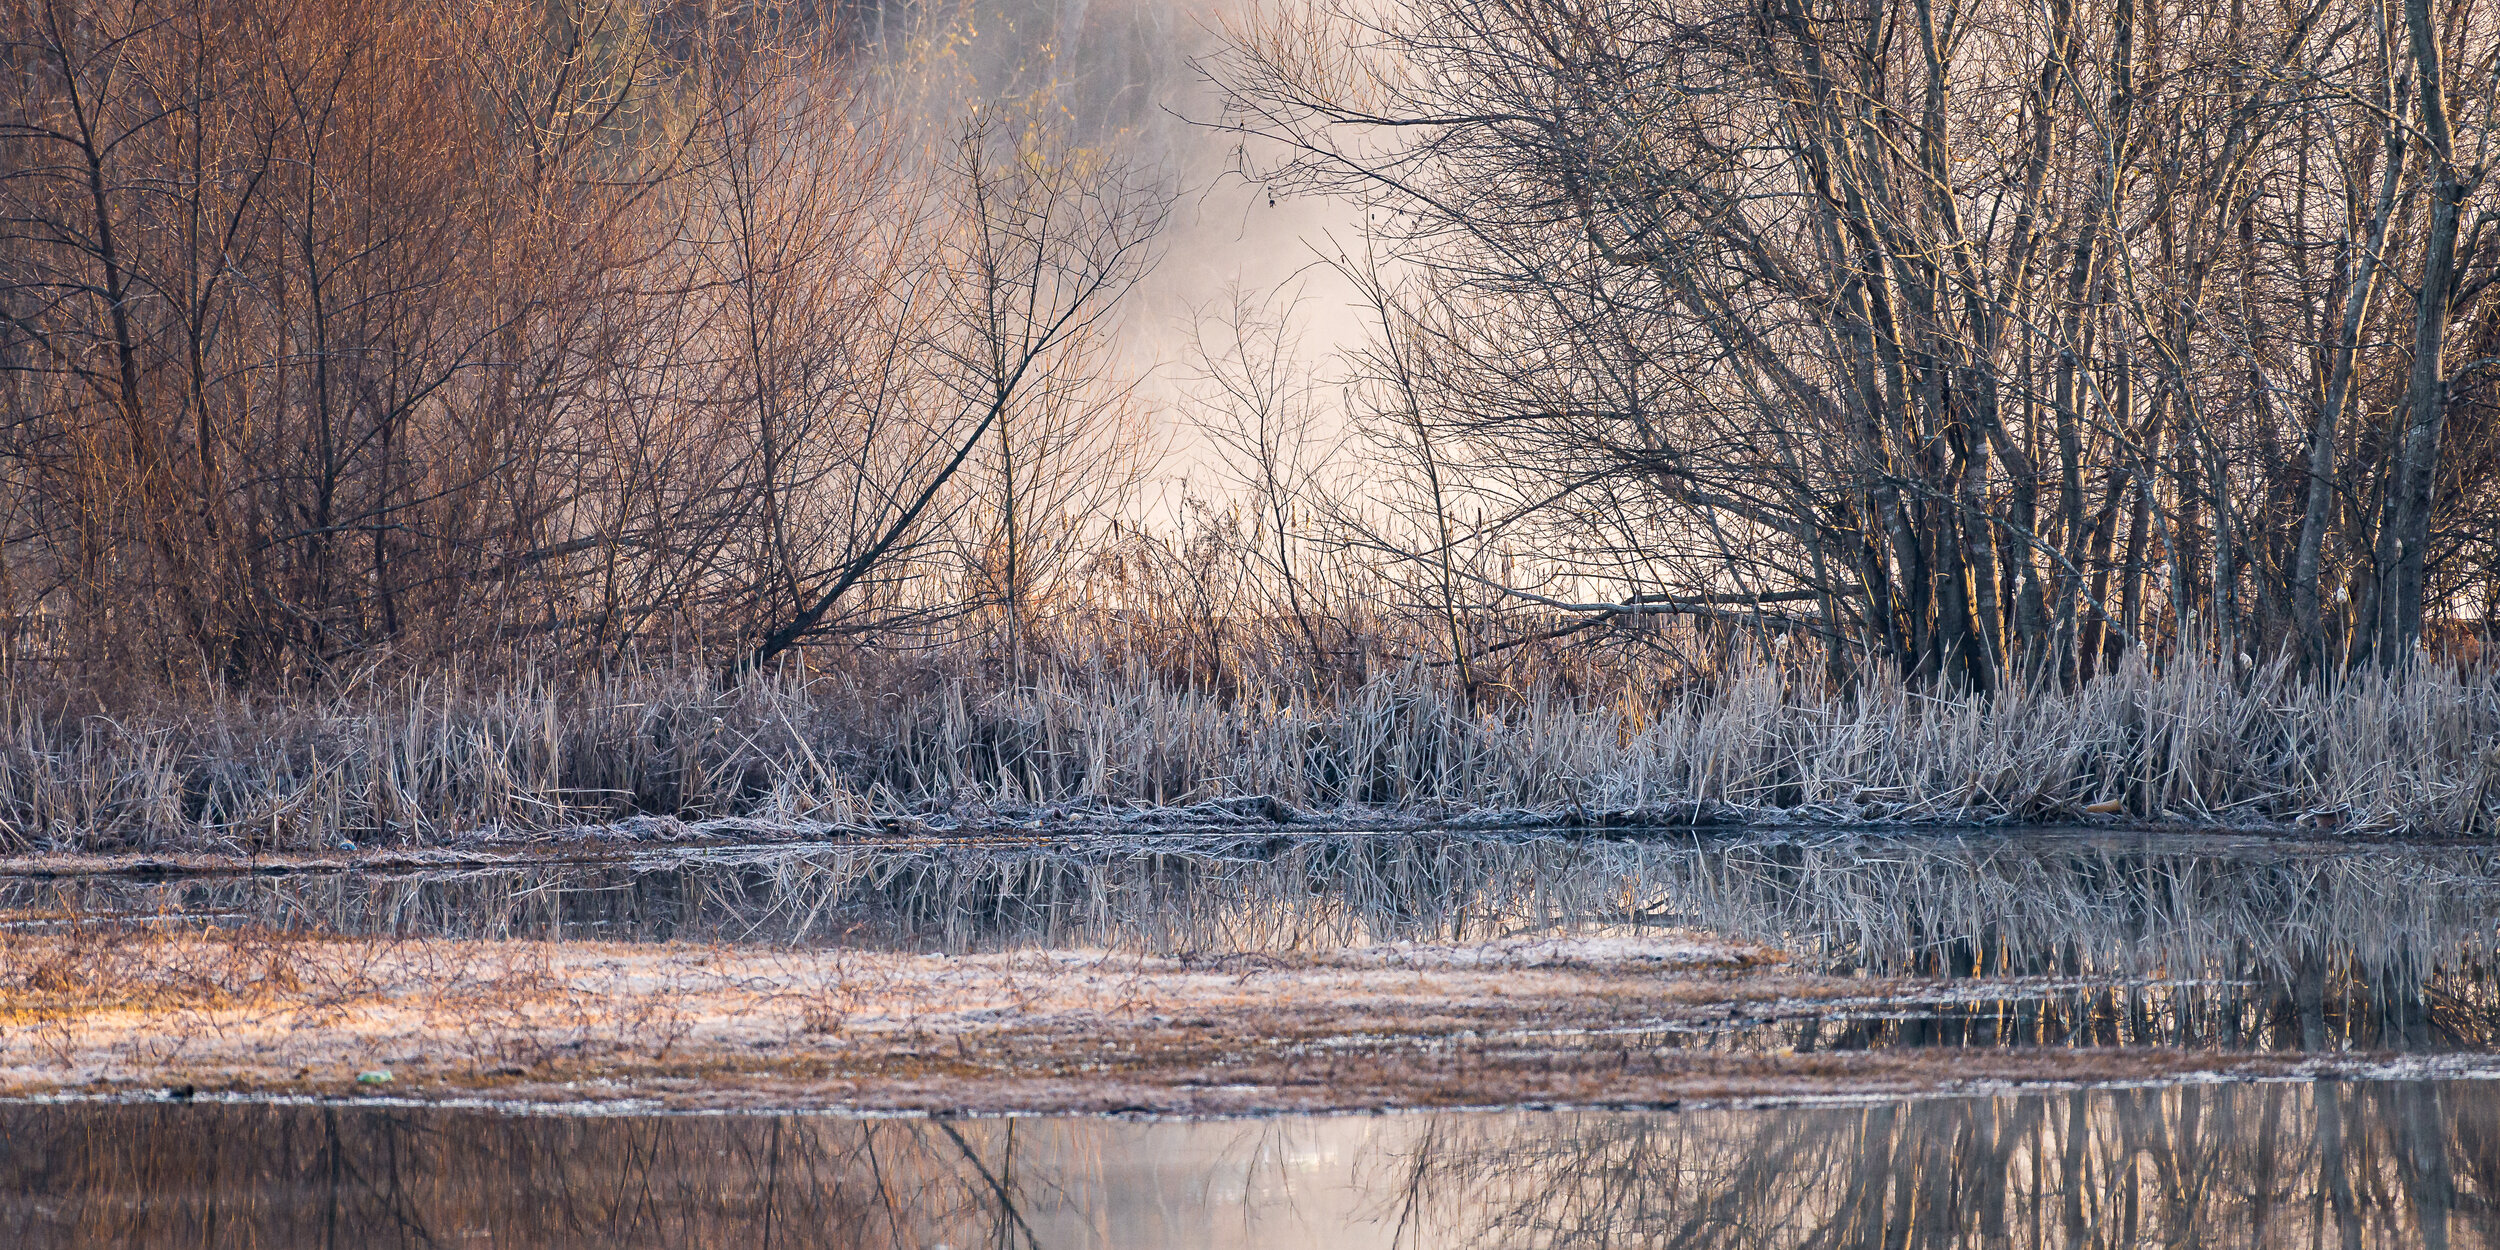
x=687, y=411
x=442, y=762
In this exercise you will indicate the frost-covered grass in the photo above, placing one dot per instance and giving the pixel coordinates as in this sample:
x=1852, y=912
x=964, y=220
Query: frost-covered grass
x=434, y=760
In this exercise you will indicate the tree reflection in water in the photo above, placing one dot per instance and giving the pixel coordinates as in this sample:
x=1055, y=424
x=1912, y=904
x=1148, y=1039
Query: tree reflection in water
x=2209, y=941
x=2378, y=1163
x=2264, y=1165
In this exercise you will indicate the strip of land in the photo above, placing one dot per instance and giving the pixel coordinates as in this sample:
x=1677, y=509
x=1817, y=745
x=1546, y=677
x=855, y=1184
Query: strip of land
x=1610, y=1021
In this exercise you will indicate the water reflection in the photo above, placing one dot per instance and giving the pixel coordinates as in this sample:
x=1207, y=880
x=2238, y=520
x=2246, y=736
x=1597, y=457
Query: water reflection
x=2345, y=1164
x=2455, y=1010
x=2060, y=939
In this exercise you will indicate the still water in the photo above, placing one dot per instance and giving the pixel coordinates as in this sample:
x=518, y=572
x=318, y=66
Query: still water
x=2365, y=1163
x=2384, y=957
x=2079, y=938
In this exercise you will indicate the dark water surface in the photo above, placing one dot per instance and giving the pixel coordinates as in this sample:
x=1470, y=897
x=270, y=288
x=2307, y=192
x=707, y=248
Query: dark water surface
x=2364, y=1163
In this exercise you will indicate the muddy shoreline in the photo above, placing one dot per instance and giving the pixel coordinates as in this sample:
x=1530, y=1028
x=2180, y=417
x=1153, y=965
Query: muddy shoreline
x=1598, y=1022
x=1244, y=970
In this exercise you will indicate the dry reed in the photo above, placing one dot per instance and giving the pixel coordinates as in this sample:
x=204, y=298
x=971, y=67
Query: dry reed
x=431, y=761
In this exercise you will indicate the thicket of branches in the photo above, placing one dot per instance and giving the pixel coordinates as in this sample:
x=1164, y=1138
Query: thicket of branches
x=1985, y=339
x=1976, y=341
x=342, y=330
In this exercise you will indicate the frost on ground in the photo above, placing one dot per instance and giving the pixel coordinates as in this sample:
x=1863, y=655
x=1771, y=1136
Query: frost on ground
x=1622, y=1021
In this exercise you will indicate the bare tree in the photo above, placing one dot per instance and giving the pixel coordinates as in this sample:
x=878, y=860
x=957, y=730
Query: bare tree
x=1965, y=325
x=1260, y=408
x=1045, y=238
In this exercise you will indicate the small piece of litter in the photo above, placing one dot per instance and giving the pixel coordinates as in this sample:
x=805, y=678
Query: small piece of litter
x=375, y=1077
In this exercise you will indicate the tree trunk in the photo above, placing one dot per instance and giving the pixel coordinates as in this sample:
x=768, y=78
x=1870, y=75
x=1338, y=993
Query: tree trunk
x=2319, y=502
x=2426, y=391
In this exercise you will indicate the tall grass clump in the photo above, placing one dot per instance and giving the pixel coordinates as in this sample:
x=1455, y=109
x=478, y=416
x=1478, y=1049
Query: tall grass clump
x=433, y=760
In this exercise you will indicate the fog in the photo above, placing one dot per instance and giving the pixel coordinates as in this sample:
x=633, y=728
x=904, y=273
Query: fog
x=1133, y=76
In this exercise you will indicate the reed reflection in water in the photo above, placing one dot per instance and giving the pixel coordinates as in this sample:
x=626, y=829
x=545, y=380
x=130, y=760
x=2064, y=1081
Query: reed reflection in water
x=2243, y=944
x=2252, y=1165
